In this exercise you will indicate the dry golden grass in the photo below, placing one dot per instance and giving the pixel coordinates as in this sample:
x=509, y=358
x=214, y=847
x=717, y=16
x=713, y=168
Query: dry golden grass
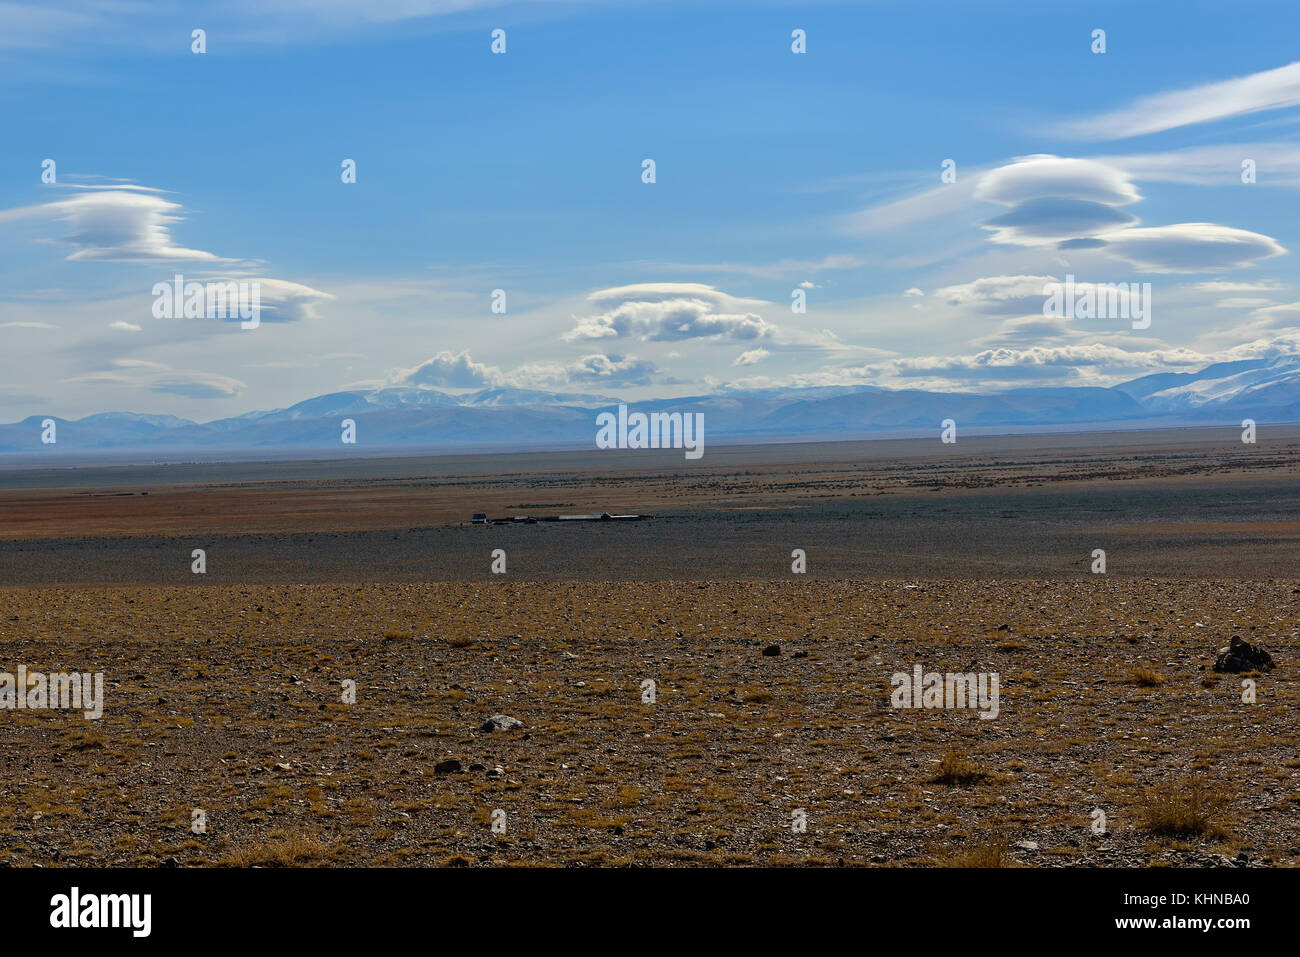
x=281, y=849
x=1182, y=809
x=989, y=853
x=1145, y=677
x=956, y=770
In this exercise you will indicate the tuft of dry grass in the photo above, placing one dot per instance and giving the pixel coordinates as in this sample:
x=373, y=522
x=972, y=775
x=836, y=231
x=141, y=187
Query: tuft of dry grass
x=1181, y=809
x=280, y=849
x=1145, y=677
x=991, y=853
x=954, y=769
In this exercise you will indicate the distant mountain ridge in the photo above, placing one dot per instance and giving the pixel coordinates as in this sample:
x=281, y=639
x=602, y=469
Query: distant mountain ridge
x=1265, y=389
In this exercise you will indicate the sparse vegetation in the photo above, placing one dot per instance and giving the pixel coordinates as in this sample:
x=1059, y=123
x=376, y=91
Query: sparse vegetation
x=1145, y=677
x=289, y=776
x=956, y=770
x=1185, y=808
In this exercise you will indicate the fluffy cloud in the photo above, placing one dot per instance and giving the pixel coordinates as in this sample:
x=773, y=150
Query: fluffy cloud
x=597, y=369
x=449, y=370
x=1075, y=364
x=751, y=357
x=624, y=370
x=670, y=312
x=995, y=289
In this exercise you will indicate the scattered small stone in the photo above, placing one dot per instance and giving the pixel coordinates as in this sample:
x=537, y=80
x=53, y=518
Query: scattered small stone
x=1027, y=845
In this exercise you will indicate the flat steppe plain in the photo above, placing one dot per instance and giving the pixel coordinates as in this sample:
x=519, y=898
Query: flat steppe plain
x=1181, y=504
x=224, y=691
x=230, y=699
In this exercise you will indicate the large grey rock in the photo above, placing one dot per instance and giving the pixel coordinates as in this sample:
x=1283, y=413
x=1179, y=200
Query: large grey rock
x=502, y=722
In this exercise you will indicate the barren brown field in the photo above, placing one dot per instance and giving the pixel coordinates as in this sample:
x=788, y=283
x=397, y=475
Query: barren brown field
x=229, y=699
x=1115, y=744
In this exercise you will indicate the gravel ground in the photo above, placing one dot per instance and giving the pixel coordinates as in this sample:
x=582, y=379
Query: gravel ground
x=228, y=699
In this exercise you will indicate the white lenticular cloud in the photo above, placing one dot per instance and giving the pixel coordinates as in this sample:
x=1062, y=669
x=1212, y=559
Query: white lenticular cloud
x=1191, y=247
x=1044, y=175
x=1055, y=200
x=121, y=224
x=669, y=312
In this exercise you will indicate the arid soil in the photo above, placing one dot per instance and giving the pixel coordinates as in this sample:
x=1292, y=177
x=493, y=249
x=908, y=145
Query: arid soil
x=1114, y=742
x=1169, y=504
x=349, y=494
x=229, y=699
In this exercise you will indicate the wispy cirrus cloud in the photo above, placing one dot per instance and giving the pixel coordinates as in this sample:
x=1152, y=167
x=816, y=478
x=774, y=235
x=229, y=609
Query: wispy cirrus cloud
x=1267, y=90
x=160, y=378
x=156, y=24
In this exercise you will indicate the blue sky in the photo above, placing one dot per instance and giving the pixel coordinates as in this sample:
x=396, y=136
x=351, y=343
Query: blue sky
x=775, y=171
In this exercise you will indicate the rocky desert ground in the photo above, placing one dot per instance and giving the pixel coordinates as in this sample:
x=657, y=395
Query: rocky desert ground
x=769, y=698
x=676, y=693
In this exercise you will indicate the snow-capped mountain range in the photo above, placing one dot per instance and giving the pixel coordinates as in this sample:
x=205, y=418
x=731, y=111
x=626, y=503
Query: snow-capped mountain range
x=1265, y=389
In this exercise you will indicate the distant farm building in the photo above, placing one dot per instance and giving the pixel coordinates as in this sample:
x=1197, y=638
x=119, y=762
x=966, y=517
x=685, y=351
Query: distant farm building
x=481, y=518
